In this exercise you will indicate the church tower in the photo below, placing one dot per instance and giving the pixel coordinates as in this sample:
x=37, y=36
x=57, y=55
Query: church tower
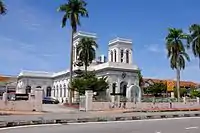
x=120, y=51
x=77, y=37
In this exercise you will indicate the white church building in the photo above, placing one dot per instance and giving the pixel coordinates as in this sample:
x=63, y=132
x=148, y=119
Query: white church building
x=121, y=72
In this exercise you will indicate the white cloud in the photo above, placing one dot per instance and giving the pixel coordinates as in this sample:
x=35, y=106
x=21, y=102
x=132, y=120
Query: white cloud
x=156, y=48
x=17, y=54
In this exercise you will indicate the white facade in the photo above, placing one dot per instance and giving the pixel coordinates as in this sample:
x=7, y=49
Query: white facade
x=121, y=72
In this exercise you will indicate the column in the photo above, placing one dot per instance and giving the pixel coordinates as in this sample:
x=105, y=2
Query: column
x=118, y=55
x=38, y=99
x=52, y=92
x=124, y=56
x=110, y=91
x=58, y=93
x=109, y=55
x=44, y=90
x=118, y=89
x=88, y=100
x=130, y=57
x=128, y=90
x=5, y=96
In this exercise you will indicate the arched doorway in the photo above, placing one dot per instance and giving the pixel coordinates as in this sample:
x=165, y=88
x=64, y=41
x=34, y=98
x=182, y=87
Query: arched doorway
x=113, y=88
x=123, y=89
x=48, y=91
x=65, y=90
x=39, y=87
x=134, y=93
x=28, y=89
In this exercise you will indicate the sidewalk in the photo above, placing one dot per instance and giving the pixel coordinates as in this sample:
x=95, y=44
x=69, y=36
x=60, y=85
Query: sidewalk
x=19, y=113
x=53, y=118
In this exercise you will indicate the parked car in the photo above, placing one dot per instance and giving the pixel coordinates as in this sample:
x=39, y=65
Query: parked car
x=49, y=100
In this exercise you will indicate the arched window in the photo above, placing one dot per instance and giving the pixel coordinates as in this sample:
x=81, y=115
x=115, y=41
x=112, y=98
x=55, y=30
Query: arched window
x=127, y=56
x=54, y=91
x=122, y=55
x=48, y=91
x=111, y=55
x=61, y=90
x=57, y=91
x=28, y=89
x=115, y=55
x=38, y=87
x=65, y=90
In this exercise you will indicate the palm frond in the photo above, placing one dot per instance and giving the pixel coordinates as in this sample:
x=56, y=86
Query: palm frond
x=72, y=12
x=195, y=39
x=86, y=50
x=3, y=9
x=175, y=45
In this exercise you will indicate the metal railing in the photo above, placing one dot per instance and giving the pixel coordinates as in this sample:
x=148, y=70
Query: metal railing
x=161, y=100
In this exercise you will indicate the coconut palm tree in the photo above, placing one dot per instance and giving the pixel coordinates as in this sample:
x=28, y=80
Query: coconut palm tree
x=140, y=76
x=2, y=8
x=73, y=10
x=194, y=40
x=176, y=52
x=86, y=51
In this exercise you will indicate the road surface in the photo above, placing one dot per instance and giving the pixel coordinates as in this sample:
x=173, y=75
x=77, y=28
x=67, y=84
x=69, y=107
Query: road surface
x=178, y=125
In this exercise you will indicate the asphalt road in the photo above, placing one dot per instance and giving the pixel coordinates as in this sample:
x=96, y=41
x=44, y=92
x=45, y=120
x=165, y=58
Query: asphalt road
x=178, y=125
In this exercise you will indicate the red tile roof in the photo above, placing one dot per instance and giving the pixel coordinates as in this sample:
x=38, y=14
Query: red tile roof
x=182, y=83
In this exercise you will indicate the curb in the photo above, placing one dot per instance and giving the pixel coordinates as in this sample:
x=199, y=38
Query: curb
x=4, y=124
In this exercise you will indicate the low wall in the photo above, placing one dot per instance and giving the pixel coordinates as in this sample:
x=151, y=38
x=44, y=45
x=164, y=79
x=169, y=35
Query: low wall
x=97, y=106
x=16, y=105
x=34, y=102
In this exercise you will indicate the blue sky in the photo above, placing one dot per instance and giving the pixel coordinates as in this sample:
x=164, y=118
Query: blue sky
x=31, y=36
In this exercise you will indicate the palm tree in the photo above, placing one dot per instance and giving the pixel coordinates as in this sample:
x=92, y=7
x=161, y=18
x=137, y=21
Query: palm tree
x=176, y=52
x=2, y=8
x=87, y=51
x=73, y=10
x=194, y=40
x=140, y=76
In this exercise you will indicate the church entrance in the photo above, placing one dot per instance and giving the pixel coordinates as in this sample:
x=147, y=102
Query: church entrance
x=134, y=93
x=123, y=89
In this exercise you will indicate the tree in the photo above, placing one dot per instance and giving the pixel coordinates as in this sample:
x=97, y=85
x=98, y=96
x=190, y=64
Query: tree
x=156, y=89
x=195, y=93
x=89, y=81
x=140, y=78
x=2, y=8
x=194, y=40
x=183, y=92
x=86, y=51
x=176, y=52
x=73, y=10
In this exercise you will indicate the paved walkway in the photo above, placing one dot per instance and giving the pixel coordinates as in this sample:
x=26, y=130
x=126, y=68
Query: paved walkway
x=57, y=108
x=81, y=115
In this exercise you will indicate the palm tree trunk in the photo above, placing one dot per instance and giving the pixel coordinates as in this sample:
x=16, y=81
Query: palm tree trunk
x=178, y=82
x=199, y=60
x=71, y=69
x=85, y=69
x=86, y=62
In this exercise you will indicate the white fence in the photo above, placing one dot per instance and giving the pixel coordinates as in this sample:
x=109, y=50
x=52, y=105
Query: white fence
x=87, y=104
x=34, y=103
